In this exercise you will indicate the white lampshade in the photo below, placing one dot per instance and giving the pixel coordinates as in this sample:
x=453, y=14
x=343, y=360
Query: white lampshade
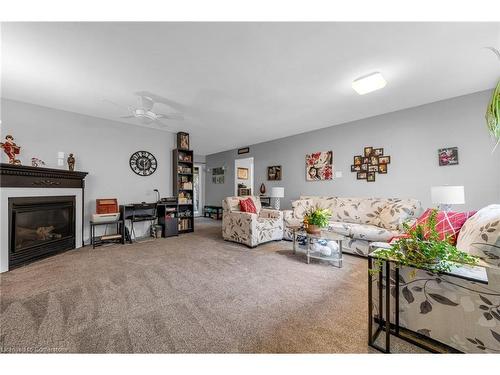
x=448, y=194
x=278, y=192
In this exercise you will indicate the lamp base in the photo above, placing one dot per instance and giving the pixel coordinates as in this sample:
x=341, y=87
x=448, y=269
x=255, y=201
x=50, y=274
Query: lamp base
x=444, y=207
x=276, y=203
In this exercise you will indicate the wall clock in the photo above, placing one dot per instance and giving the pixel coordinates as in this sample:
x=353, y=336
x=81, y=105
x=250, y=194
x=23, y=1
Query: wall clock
x=143, y=163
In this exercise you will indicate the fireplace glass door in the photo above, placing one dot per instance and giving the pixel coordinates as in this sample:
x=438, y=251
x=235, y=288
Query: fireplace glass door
x=40, y=226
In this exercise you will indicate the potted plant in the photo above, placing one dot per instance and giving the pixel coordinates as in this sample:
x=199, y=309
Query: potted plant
x=316, y=219
x=422, y=247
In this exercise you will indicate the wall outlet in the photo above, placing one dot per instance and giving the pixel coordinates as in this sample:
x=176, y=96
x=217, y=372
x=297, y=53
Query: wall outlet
x=338, y=174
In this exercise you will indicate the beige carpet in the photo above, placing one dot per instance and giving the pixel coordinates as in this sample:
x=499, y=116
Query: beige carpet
x=194, y=293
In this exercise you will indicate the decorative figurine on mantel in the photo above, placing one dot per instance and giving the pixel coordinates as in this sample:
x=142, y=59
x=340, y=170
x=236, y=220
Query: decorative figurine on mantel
x=71, y=162
x=35, y=162
x=11, y=149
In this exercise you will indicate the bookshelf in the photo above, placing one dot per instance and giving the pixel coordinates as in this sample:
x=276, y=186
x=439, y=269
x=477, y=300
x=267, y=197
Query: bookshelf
x=183, y=168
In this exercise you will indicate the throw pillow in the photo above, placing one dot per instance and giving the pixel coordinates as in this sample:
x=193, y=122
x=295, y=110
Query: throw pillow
x=397, y=212
x=247, y=205
x=480, y=235
x=301, y=206
x=448, y=224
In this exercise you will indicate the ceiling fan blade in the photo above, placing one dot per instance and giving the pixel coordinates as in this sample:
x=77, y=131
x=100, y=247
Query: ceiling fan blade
x=127, y=116
x=171, y=116
x=160, y=99
x=147, y=103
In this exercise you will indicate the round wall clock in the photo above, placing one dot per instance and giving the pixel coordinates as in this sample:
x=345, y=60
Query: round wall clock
x=143, y=163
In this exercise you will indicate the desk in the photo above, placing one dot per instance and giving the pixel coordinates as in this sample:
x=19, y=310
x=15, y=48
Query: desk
x=137, y=212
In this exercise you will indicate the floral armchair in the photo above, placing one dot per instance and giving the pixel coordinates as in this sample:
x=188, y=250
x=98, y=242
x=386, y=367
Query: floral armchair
x=248, y=228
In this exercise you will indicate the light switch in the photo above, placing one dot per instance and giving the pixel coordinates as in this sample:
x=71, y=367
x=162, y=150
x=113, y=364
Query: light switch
x=338, y=174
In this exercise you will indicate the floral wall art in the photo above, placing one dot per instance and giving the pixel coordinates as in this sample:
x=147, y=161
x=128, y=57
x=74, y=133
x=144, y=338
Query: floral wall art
x=319, y=166
x=372, y=161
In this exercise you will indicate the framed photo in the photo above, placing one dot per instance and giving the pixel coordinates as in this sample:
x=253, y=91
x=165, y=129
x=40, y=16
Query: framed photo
x=319, y=166
x=448, y=156
x=355, y=168
x=368, y=151
x=370, y=177
x=274, y=173
x=182, y=141
x=364, y=167
x=378, y=151
x=244, y=150
x=243, y=173
x=358, y=160
x=382, y=168
x=374, y=160
x=217, y=171
x=373, y=168
x=361, y=175
x=384, y=160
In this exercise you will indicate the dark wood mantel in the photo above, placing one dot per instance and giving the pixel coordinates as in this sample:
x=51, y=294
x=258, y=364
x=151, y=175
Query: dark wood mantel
x=35, y=177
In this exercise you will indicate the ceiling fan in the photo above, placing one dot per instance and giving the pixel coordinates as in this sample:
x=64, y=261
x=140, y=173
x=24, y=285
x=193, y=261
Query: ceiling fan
x=144, y=111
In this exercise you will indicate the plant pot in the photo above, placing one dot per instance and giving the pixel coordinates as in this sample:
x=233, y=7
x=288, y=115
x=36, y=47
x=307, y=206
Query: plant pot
x=313, y=229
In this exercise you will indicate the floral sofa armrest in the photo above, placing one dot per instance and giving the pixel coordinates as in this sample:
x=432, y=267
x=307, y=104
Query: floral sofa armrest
x=270, y=214
x=240, y=227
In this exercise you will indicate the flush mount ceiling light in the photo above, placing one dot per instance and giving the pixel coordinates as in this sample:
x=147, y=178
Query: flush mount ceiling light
x=370, y=82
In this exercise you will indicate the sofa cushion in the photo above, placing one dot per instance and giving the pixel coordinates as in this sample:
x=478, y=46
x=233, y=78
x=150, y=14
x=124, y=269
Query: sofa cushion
x=480, y=235
x=359, y=210
x=322, y=202
x=371, y=233
x=397, y=212
x=340, y=228
x=301, y=207
x=366, y=232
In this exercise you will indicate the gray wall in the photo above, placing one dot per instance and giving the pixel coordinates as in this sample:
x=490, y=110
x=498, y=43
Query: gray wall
x=101, y=147
x=411, y=137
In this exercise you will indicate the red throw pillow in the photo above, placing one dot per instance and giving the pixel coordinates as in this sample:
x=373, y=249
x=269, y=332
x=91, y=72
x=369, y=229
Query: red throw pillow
x=247, y=205
x=448, y=223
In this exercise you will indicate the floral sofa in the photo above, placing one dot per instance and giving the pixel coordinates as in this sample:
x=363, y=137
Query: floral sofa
x=460, y=309
x=363, y=220
x=248, y=228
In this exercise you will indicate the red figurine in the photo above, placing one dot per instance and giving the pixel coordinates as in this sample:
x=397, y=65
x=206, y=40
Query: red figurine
x=11, y=149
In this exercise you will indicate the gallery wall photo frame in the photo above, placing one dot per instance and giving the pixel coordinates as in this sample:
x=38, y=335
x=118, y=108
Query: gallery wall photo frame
x=448, y=156
x=274, y=173
x=369, y=163
x=242, y=173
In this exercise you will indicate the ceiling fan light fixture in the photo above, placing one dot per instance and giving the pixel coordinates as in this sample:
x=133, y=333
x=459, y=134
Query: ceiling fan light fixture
x=369, y=83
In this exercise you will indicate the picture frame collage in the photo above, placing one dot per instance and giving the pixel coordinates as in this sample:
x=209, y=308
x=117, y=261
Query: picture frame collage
x=372, y=161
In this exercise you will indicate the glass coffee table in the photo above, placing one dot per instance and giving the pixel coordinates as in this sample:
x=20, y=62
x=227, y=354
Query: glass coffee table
x=325, y=245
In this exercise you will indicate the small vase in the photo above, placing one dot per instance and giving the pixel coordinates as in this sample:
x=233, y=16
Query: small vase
x=313, y=229
x=262, y=189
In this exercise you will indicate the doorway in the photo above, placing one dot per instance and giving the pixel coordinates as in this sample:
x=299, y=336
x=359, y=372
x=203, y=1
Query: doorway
x=243, y=177
x=198, y=189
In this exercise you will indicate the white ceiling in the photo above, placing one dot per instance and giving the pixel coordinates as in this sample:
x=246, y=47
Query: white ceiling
x=244, y=83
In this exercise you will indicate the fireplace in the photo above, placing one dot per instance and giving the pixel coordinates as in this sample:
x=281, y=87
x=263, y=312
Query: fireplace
x=39, y=227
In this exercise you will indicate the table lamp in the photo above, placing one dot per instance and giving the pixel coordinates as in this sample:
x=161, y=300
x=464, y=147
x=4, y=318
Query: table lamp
x=445, y=196
x=277, y=193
